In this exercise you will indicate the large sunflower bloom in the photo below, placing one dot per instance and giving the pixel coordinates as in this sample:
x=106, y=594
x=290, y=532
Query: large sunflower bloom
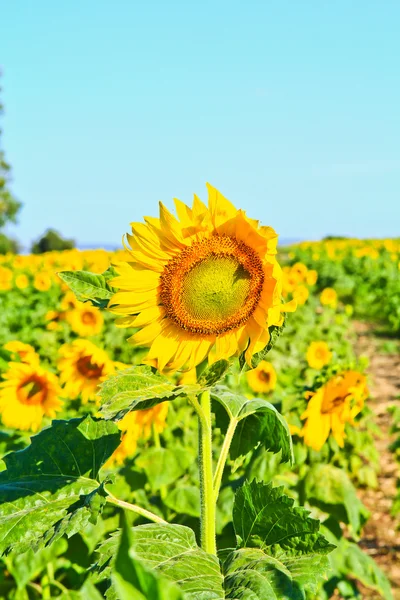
x=27, y=394
x=83, y=366
x=332, y=406
x=205, y=284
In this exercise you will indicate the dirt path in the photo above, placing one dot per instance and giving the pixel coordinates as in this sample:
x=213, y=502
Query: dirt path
x=381, y=535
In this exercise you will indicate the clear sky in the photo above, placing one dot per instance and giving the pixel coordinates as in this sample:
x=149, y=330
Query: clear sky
x=290, y=108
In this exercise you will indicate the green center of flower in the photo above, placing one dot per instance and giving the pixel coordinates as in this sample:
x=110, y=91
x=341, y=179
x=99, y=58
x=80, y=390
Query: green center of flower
x=215, y=289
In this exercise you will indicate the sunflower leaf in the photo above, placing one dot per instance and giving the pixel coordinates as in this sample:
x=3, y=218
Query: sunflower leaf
x=51, y=488
x=211, y=375
x=172, y=551
x=281, y=552
x=258, y=421
x=133, y=580
x=138, y=388
x=90, y=287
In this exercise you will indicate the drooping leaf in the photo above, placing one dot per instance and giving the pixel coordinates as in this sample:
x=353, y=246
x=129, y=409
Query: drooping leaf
x=330, y=489
x=89, y=286
x=264, y=517
x=172, y=551
x=349, y=560
x=132, y=580
x=163, y=466
x=51, y=487
x=258, y=422
x=138, y=388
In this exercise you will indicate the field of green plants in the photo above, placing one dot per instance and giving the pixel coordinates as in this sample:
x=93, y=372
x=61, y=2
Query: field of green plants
x=212, y=465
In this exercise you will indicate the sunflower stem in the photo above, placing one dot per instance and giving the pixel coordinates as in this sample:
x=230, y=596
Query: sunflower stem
x=223, y=457
x=207, y=518
x=135, y=508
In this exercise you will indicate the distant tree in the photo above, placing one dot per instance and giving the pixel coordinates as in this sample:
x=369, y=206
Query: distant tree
x=51, y=240
x=328, y=238
x=9, y=205
x=8, y=244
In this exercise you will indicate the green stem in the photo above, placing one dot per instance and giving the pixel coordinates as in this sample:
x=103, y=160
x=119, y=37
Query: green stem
x=135, y=508
x=156, y=436
x=206, y=475
x=223, y=457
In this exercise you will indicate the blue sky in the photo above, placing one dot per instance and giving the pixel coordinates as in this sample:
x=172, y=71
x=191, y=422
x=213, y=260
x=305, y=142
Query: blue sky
x=290, y=108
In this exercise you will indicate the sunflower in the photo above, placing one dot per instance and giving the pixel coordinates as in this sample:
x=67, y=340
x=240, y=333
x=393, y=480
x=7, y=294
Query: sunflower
x=25, y=352
x=262, y=379
x=138, y=425
x=301, y=294
x=332, y=406
x=328, y=297
x=312, y=277
x=27, y=394
x=42, y=282
x=69, y=301
x=318, y=355
x=86, y=320
x=5, y=279
x=82, y=367
x=204, y=285
x=21, y=281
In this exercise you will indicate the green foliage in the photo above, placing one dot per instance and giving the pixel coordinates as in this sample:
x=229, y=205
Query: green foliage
x=51, y=241
x=8, y=244
x=51, y=488
x=258, y=422
x=331, y=490
x=9, y=205
x=138, y=388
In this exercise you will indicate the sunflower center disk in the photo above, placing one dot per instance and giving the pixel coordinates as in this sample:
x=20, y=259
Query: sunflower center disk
x=212, y=286
x=31, y=391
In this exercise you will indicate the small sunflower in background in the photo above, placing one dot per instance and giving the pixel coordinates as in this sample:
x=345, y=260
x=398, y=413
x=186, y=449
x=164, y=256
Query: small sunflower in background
x=204, y=285
x=329, y=297
x=27, y=394
x=334, y=404
x=6, y=277
x=69, y=301
x=85, y=320
x=138, y=425
x=301, y=294
x=263, y=378
x=21, y=281
x=83, y=366
x=25, y=352
x=318, y=355
x=42, y=282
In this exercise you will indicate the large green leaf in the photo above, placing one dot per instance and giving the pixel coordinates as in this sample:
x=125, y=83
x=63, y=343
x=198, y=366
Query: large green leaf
x=251, y=573
x=258, y=422
x=264, y=517
x=350, y=561
x=281, y=550
x=214, y=373
x=132, y=580
x=138, y=388
x=91, y=287
x=51, y=487
x=172, y=551
x=331, y=490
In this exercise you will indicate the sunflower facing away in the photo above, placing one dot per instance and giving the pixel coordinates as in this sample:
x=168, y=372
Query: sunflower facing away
x=205, y=284
x=27, y=394
x=82, y=367
x=332, y=406
x=137, y=425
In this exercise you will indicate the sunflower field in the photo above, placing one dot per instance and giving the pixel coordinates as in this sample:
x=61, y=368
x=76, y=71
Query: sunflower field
x=193, y=417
